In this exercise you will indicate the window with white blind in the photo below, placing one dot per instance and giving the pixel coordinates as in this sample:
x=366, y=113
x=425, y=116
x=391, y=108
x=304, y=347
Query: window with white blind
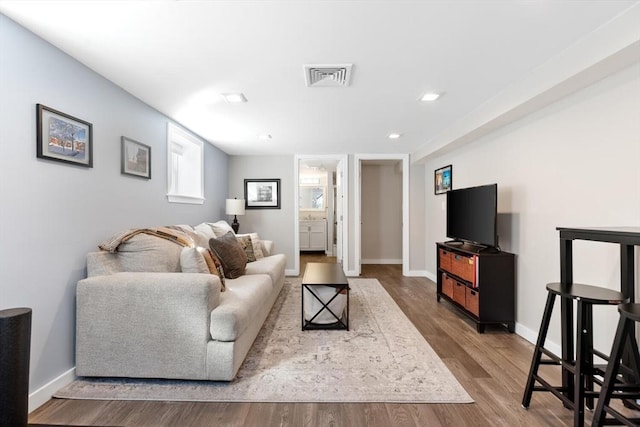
x=185, y=166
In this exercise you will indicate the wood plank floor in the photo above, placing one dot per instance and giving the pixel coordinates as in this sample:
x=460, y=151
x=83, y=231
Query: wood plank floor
x=492, y=367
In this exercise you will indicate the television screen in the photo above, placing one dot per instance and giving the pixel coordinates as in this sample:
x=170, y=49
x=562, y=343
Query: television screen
x=472, y=214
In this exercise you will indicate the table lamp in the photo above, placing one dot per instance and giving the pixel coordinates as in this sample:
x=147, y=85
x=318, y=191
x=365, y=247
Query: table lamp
x=235, y=207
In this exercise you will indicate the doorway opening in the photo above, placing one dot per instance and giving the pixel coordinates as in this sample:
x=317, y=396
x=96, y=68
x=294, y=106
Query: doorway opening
x=319, y=209
x=381, y=204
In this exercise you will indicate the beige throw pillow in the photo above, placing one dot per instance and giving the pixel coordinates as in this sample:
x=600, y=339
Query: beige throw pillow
x=256, y=243
x=230, y=253
x=247, y=245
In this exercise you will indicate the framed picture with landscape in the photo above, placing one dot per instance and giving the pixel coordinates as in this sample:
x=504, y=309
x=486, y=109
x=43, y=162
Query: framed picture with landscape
x=262, y=193
x=136, y=158
x=63, y=138
x=443, y=179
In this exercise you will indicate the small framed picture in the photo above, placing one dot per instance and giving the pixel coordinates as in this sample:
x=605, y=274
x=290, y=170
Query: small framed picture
x=136, y=158
x=262, y=193
x=443, y=179
x=63, y=138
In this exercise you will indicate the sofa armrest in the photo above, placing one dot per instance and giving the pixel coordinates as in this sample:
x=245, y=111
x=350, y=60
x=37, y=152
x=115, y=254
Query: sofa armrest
x=153, y=325
x=267, y=247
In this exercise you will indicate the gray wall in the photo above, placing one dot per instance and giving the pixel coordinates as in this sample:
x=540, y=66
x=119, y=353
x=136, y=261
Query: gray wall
x=572, y=164
x=52, y=214
x=271, y=224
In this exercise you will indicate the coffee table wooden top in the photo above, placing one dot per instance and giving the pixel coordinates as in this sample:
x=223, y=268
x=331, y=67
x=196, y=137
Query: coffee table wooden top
x=319, y=273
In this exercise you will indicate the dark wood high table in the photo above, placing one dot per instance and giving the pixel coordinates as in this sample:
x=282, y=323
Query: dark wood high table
x=325, y=274
x=627, y=238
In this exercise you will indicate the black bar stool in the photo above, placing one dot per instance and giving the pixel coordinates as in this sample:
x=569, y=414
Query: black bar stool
x=615, y=386
x=581, y=370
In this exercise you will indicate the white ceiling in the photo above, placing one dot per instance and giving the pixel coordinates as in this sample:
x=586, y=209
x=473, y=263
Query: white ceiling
x=179, y=56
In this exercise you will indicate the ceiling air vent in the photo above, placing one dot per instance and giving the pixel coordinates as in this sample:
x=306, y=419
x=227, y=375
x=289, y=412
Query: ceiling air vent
x=327, y=75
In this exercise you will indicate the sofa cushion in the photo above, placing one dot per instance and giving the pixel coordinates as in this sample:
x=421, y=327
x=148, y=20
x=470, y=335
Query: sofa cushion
x=144, y=252
x=230, y=253
x=239, y=305
x=273, y=265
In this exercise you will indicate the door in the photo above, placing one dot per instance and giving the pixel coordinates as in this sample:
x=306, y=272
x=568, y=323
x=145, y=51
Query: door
x=339, y=210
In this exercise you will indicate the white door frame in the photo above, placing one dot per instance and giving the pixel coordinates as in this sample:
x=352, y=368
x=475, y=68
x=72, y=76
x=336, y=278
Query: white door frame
x=357, y=179
x=343, y=158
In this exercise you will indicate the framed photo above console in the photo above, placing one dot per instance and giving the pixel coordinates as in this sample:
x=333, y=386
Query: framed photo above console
x=262, y=193
x=443, y=179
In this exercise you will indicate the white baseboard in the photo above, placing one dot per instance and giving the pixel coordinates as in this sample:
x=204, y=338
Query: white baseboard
x=291, y=273
x=431, y=276
x=351, y=273
x=44, y=393
x=381, y=261
x=417, y=273
x=532, y=337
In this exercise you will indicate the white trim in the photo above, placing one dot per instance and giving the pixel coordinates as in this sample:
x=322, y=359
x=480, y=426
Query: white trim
x=345, y=205
x=431, y=276
x=532, y=336
x=176, y=198
x=405, y=205
x=292, y=272
x=351, y=273
x=44, y=393
x=381, y=261
x=419, y=273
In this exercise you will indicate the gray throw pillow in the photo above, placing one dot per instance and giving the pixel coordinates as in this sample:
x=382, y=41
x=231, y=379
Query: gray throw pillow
x=230, y=253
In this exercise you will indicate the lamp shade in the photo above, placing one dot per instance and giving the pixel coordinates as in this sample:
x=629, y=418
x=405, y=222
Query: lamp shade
x=235, y=206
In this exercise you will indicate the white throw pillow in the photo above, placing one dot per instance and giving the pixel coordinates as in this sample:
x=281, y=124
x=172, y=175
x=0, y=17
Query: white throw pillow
x=220, y=228
x=204, y=233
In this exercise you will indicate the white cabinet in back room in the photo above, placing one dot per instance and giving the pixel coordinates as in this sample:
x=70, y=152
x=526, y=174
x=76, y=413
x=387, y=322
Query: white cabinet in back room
x=313, y=235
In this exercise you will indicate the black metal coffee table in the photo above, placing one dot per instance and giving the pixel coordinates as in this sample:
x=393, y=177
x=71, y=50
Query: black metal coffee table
x=328, y=275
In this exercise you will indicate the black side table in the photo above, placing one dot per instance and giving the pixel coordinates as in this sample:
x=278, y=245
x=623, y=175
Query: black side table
x=327, y=275
x=15, y=348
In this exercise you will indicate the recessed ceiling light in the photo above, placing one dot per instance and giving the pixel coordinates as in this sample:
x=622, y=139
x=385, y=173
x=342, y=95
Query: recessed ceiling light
x=264, y=136
x=430, y=96
x=394, y=135
x=234, y=98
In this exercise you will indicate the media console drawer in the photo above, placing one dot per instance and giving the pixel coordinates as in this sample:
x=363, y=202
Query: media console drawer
x=447, y=285
x=472, y=302
x=459, y=293
x=463, y=267
x=445, y=259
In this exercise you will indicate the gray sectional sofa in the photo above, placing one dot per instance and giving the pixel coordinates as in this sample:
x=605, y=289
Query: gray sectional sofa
x=140, y=316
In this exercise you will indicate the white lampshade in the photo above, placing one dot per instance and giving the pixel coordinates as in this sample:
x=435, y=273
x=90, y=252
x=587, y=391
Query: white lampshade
x=235, y=206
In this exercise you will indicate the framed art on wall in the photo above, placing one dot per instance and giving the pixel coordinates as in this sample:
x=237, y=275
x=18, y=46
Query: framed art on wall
x=262, y=193
x=63, y=138
x=443, y=179
x=136, y=158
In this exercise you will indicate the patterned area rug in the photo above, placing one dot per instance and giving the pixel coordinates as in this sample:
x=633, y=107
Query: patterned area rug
x=382, y=358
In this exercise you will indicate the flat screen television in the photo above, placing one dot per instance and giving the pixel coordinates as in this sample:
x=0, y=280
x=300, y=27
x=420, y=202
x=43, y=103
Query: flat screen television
x=472, y=215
